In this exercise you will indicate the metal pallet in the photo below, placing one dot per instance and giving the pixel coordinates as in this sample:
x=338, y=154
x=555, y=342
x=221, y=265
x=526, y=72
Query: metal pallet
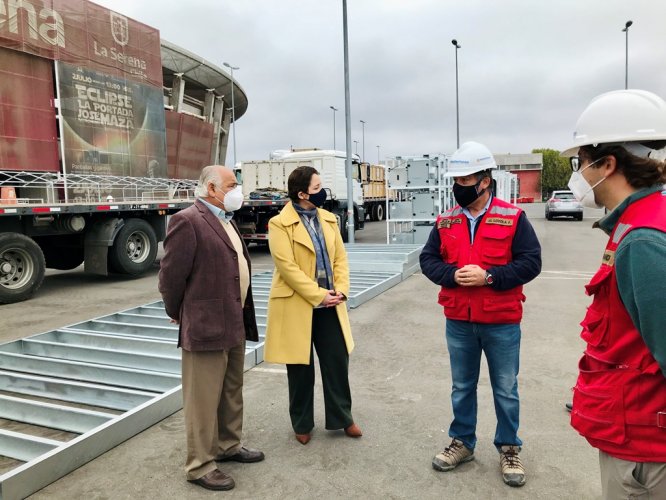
x=104, y=380
x=403, y=259
x=100, y=382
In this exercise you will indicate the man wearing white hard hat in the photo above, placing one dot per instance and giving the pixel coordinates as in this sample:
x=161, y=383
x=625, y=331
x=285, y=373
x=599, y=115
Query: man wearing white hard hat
x=619, y=402
x=482, y=252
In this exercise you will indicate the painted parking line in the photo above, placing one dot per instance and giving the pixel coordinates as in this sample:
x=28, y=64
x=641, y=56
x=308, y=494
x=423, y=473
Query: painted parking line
x=566, y=275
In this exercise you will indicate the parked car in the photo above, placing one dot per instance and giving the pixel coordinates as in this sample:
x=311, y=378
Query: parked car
x=563, y=203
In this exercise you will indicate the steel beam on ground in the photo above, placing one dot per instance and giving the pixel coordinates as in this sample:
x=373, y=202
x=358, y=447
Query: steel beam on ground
x=43, y=470
x=112, y=357
x=24, y=447
x=153, y=334
x=140, y=319
x=74, y=392
x=135, y=330
x=106, y=341
x=65, y=418
x=123, y=377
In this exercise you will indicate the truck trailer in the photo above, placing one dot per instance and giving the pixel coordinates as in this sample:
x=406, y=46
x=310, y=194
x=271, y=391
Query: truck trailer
x=104, y=129
x=264, y=185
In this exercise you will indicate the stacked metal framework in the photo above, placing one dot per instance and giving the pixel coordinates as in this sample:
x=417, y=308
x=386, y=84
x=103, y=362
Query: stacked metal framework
x=422, y=193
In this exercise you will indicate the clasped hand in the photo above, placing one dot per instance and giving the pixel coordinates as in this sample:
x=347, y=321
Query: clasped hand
x=470, y=275
x=332, y=298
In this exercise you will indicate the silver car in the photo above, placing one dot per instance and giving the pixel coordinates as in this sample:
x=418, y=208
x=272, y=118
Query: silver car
x=563, y=204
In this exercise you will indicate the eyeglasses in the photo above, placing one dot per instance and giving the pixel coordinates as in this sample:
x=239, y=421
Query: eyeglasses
x=575, y=162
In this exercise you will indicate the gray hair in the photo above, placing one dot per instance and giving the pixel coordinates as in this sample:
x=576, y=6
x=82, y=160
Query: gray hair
x=209, y=175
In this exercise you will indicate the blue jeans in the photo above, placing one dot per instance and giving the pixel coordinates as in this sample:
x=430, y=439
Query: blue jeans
x=501, y=344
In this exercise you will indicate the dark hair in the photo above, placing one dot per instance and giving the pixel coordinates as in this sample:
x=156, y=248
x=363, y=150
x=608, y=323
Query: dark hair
x=483, y=174
x=299, y=181
x=639, y=172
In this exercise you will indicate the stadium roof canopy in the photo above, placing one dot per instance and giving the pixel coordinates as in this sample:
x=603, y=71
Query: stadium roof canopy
x=200, y=75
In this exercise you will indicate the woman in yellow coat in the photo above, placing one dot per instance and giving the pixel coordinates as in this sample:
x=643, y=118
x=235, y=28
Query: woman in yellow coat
x=306, y=306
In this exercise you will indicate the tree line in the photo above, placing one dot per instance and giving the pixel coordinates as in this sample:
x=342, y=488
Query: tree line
x=556, y=171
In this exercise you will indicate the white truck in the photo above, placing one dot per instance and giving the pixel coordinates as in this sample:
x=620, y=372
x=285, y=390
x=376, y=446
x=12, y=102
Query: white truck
x=265, y=189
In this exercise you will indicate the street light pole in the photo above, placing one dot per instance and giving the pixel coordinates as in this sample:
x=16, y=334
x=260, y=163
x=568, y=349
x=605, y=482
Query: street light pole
x=626, y=53
x=378, y=154
x=350, y=184
x=356, y=147
x=457, y=46
x=334, y=110
x=233, y=107
x=363, y=148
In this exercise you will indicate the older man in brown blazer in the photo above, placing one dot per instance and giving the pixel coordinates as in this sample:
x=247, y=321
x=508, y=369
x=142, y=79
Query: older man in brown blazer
x=205, y=284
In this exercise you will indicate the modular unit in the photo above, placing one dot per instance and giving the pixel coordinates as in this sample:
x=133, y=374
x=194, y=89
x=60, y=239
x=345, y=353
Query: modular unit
x=422, y=194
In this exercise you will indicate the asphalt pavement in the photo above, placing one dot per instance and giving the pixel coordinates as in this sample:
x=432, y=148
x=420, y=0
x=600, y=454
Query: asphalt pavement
x=400, y=383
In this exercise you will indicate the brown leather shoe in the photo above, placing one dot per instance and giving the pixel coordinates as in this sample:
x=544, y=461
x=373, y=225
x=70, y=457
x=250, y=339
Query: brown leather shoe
x=244, y=456
x=353, y=431
x=303, y=438
x=215, y=480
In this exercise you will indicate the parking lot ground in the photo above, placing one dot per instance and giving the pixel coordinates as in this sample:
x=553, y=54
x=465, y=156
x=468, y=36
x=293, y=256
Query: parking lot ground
x=400, y=383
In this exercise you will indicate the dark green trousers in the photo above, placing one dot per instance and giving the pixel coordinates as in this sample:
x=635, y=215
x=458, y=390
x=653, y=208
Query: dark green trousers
x=327, y=339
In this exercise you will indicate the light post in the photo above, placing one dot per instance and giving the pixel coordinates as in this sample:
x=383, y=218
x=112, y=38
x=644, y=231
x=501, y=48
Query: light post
x=356, y=147
x=233, y=106
x=378, y=154
x=626, y=53
x=457, y=46
x=348, y=163
x=363, y=137
x=334, y=110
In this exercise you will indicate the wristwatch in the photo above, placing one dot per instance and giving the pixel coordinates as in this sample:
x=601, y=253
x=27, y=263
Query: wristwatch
x=489, y=278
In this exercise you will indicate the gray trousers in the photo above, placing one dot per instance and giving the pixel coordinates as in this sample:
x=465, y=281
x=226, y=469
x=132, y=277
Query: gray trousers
x=622, y=480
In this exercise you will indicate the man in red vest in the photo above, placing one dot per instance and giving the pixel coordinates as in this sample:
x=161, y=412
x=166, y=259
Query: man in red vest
x=619, y=402
x=481, y=253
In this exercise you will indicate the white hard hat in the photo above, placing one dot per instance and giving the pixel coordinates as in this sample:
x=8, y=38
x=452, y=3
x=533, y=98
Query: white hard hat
x=470, y=158
x=620, y=116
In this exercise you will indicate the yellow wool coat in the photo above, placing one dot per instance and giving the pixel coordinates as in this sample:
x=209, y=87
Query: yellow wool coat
x=294, y=291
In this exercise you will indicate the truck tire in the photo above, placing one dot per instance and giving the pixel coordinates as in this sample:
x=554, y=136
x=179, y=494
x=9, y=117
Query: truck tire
x=22, y=267
x=62, y=258
x=379, y=212
x=134, y=250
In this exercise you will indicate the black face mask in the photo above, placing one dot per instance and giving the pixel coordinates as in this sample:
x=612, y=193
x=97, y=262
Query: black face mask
x=318, y=198
x=466, y=195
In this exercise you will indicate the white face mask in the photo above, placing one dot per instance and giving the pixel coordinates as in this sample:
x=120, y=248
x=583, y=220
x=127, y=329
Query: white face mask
x=582, y=190
x=233, y=199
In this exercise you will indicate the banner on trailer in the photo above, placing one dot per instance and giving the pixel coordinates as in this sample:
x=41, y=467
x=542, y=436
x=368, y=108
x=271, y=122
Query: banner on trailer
x=85, y=34
x=112, y=126
x=28, y=136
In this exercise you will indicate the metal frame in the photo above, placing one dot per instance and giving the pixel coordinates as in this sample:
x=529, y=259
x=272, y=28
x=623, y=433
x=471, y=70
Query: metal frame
x=126, y=363
x=133, y=189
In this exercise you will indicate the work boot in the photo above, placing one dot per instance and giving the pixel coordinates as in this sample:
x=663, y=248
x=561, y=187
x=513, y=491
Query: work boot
x=513, y=472
x=453, y=455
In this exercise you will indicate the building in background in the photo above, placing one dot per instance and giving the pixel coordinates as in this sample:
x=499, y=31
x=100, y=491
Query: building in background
x=527, y=167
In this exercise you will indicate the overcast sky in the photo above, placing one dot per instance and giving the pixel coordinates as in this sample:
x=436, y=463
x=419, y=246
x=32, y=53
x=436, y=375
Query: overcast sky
x=527, y=68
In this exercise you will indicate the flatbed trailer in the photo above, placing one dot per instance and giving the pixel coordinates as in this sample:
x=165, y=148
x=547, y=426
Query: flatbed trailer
x=108, y=233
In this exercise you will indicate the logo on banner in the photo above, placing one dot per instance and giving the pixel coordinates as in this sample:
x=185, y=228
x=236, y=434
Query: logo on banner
x=119, y=28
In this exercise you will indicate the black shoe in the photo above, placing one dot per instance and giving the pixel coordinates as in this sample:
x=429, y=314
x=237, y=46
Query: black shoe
x=569, y=406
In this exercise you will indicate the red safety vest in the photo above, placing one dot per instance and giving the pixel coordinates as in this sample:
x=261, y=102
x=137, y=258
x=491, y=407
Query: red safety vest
x=619, y=402
x=491, y=247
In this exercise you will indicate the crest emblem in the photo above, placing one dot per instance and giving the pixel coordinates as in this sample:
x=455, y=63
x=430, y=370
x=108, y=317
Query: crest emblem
x=119, y=28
